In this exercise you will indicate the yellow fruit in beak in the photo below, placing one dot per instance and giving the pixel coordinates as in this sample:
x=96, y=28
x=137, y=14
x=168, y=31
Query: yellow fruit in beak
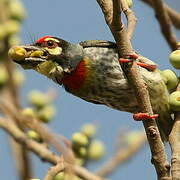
x=36, y=54
x=17, y=53
x=45, y=68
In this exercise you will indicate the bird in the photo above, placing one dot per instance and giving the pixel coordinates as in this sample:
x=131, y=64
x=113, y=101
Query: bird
x=91, y=70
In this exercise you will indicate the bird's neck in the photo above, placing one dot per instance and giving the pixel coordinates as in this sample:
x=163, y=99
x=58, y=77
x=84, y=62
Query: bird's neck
x=77, y=78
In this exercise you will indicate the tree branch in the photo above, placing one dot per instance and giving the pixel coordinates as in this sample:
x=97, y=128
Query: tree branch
x=21, y=157
x=131, y=19
x=173, y=15
x=174, y=140
x=113, y=19
x=58, y=142
x=165, y=23
x=42, y=151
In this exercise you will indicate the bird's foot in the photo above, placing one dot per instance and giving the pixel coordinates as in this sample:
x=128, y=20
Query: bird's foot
x=144, y=116
x=132, y=57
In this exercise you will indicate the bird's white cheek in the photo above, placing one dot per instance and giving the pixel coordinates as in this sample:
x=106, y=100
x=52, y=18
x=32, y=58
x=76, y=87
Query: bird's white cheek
x=54, y=51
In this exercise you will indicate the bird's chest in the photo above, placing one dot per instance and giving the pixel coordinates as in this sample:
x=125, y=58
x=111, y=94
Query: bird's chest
x=105, y=83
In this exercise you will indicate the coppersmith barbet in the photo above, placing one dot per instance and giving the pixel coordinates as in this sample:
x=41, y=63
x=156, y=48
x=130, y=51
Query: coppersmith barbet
x=91, y=71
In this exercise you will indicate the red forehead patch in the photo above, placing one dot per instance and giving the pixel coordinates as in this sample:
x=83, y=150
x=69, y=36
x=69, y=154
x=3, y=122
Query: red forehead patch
x=40, y=40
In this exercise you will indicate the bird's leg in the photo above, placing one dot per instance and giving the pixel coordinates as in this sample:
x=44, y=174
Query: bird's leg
x=131, y=57
x=144, y=116
x=140, y=116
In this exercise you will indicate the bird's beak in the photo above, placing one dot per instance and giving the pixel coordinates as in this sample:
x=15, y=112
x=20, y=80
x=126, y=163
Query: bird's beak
x=38, y=59
x=28, y=56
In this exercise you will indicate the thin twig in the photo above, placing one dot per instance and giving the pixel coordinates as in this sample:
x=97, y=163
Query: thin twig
x=122, y=156
x=10, y=127
x=165, y=23
x=23, y=162
x=81, y=172
x=53, y=171
x=131, y=19
x=43, y=131
x=42, y=151
x=159, y=158
x=50, y=138
x=174, y=140
x=173, y=15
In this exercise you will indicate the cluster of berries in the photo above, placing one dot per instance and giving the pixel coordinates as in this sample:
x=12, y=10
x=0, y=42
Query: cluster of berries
x=17, y=75
x=171, y=80
x=41, y=109
x=85, y=148
x=13, y=13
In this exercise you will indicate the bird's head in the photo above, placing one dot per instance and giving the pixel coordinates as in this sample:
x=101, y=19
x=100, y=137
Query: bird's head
x=49, y=55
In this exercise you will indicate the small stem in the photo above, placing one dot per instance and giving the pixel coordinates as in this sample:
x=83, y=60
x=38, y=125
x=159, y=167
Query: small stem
x=165, y=23
x=42, y=151
x=173, y=15
x=174, y=140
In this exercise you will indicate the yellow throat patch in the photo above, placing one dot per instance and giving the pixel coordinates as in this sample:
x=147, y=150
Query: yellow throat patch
x=45, y=68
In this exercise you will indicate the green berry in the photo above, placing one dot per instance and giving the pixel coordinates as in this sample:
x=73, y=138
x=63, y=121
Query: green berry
x=12, y=27
x=175, y=59
x=96, y=150
x=38, y=99
x=130, y=3
x=33, y=135
x=47, y=113
x=89, y=130
x=79, y=139
x=59, y=176
x=2, y=48
x=3, y=76
x=28, y=112
x=19, y=77
x=82, y=152
x=174, y=101
x=16, y=10
x=132, y=136
x=37, y=53
x=2, y=32
x=17, y=53
x=79, y=161
x=171, y=79
x=63, y=176
x=14, y=40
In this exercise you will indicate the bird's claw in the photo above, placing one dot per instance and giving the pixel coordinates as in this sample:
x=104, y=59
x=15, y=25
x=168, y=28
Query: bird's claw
x=150, y=67
x=131, y=57
x=144, y=116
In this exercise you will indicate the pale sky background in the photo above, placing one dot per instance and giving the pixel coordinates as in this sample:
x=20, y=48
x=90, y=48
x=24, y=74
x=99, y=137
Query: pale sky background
x=77, y=20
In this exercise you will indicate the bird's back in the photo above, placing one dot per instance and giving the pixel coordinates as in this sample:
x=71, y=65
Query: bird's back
x=108, y=85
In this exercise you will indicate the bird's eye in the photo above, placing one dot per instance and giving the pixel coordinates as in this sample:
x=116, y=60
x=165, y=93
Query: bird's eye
x=50, y=43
